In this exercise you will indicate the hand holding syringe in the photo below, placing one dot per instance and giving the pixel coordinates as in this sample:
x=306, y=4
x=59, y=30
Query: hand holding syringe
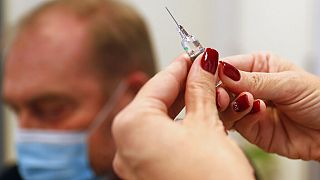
x=190, y=44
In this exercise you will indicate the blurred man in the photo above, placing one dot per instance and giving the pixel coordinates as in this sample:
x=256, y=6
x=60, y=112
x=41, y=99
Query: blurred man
x=68, y=58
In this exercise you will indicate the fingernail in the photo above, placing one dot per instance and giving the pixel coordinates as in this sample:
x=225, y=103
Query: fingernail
x=209, y=60
x=230, y=71
x=255, y=107
x=217, y=101
x=241, y=104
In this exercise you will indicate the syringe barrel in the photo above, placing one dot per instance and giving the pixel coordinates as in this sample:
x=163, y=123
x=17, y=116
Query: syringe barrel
x=192, y=46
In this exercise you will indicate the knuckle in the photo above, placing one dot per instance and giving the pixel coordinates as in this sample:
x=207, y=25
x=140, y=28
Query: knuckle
x=261, y=61
x=201, y=95
x=119, y=124
x=255, y=79
x=124, y=122
x=117, y=166
x=202, y=86
x=256, y=82
x=195, y=86
x=262, y=55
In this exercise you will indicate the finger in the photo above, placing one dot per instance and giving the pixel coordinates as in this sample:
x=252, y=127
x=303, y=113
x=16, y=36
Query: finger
x=260, y=62
x=200, y=88
x=163, y=89
x=223, y=99
x=256, y=126
x=240, y=107
x=271, y=86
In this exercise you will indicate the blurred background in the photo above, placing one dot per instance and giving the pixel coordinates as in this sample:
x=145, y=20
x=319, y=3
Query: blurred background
x=287, y=28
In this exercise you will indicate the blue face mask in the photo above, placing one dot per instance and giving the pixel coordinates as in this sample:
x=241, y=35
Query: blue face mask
x=63, y=155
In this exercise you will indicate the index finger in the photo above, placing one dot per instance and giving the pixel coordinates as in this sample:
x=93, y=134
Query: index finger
x=260, y=62
x=160, y=92
x=242, y=62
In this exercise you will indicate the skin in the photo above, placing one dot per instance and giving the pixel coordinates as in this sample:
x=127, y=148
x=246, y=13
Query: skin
x=290, y=126
x=151, y=146
x=50, y=84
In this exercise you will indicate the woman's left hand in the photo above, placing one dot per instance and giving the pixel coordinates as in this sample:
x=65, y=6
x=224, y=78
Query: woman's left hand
x=150, y=145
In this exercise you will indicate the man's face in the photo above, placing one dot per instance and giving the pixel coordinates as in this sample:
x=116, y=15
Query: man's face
x=50, y=85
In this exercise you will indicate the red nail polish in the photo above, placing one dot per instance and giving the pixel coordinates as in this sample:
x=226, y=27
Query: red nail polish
x=209, y=61
x=230, y=71
x=241, y=104
x=255, y=107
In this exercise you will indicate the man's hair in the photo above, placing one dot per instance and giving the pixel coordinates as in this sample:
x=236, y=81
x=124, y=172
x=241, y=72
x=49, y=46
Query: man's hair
x=119, y=37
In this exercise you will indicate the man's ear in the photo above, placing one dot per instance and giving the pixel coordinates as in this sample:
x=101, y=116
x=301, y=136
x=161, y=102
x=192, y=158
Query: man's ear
x=136, y=80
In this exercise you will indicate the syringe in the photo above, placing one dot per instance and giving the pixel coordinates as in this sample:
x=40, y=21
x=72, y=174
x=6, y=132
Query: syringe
x=189, y=43
x=193, y=48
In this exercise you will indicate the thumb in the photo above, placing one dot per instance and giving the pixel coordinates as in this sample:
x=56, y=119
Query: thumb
x=269, y=86
x=200, y=94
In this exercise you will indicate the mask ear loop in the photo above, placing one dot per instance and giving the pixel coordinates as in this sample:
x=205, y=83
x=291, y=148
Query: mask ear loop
x=104, y=113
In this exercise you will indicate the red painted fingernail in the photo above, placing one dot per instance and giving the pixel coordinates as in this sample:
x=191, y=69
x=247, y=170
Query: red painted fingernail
x=230, y=71
x=241, y=104
x=209, y=60
x=217, y=101
x=255, y=107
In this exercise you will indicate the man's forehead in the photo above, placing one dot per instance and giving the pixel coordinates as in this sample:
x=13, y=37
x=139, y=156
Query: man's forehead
x=53, y=49
x=56, y=39
x=57, y=25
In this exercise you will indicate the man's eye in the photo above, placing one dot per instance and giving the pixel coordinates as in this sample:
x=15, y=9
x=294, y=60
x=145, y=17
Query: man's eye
x=51, y=111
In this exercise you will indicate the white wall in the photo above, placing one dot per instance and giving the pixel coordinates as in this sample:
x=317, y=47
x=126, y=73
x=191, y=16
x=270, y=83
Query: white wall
x=284, y=27
x=17, y=8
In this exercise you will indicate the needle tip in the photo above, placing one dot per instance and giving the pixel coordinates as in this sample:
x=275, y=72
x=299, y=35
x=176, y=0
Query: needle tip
x=172, y=16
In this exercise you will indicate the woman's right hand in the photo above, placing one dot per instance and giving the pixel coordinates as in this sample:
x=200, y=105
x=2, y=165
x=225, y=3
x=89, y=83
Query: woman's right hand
x=290, y=125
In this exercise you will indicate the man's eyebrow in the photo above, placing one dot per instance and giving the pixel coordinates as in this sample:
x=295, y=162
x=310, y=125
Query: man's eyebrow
x=46, y=97
x=49, y=97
